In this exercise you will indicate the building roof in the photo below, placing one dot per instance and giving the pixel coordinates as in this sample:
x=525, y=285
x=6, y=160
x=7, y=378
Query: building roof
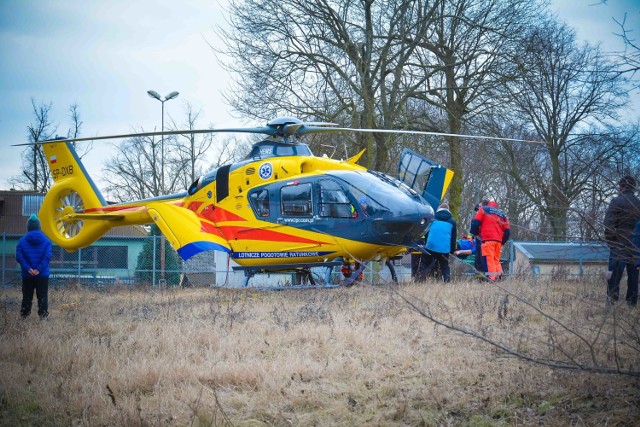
x=565, y=251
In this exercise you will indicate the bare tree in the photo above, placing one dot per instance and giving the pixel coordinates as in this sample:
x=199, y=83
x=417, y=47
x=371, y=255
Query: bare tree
x=35, y=175
x=135, y=172
x=194, y=153
x=76, y=122
x=467, y=58
x=630, y=56
x=562, y=90
x=368, y=62
x=75, y=129
x=331, y=61
x=191, y=148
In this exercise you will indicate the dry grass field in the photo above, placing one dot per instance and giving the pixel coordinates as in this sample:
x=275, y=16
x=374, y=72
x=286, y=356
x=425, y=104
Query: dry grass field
x=347, y=356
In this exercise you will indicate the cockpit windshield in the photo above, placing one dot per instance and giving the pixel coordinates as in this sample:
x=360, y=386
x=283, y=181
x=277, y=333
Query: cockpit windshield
x=396, y=183
x=374, y=191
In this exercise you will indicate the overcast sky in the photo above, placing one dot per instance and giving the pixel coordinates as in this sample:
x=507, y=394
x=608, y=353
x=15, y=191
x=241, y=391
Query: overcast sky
x=105, y=55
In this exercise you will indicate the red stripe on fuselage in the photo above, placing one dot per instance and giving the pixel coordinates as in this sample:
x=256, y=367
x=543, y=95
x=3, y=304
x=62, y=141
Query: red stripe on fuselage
x=248, y=233
x=230, y=232
x=211, y=229
x=218, y=215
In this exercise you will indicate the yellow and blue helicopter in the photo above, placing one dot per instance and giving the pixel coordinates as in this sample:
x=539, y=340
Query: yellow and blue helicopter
x=280, y=209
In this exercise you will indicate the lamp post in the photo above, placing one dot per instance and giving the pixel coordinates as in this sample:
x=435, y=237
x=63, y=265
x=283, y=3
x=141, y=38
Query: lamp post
x=156, y=95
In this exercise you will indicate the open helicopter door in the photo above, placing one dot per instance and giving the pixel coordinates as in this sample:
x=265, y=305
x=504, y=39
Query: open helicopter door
x=426, y=177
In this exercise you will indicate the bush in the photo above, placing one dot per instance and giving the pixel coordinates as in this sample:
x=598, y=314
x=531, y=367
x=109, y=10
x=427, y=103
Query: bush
x=146, y=264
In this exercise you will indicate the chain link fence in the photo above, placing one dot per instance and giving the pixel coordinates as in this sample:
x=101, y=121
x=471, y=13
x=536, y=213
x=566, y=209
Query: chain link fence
x=139, y=260
x=150, y=260
x=111, y=260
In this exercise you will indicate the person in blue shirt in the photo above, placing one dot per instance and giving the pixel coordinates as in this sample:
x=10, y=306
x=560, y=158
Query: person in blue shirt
x=441, y=241
x=465, y=247
x=33, y=253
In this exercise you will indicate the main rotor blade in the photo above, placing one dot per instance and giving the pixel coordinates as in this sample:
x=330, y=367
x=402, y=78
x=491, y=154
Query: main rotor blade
x=313, y=129
x=286, y=130
x=261, y=130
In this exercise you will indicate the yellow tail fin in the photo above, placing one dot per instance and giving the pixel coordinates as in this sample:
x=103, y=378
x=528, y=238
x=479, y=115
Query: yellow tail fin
x=72, y=194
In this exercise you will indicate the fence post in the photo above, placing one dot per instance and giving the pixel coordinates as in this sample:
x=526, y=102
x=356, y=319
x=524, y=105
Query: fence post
x=79, y=265
x=4, y=256
x=512, y=257
x=580, y=271
x=153, y=263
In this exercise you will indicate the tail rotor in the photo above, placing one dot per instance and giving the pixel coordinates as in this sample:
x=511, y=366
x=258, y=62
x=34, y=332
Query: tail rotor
x=69, y=202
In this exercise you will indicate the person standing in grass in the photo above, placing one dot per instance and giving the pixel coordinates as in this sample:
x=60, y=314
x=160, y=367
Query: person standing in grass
x=635, y=239
x=622, y=215
x=441, y=241
x=480, y=262
x=492, y=225
x=33, y=253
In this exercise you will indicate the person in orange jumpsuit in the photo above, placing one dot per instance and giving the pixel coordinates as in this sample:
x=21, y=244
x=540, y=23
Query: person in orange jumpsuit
x=492, y=225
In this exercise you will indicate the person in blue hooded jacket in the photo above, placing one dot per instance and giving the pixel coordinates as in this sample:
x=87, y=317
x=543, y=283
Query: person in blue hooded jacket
x=441, y=241
x=33, y=253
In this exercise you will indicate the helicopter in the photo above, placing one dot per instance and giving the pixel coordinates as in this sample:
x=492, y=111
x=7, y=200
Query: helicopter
x=281, y=209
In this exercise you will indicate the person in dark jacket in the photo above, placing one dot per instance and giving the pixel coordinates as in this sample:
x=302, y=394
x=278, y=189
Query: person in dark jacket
x=441, y=241
x=417, y=262
x=622, y=215
x=635, y=239
x=33, y=253
x=492, y=225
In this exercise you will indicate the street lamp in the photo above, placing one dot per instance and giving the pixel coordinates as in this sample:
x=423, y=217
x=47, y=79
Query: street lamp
x=156, y=95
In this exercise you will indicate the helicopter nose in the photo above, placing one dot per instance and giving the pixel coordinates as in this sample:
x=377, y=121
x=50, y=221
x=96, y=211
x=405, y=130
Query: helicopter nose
x=404, y=228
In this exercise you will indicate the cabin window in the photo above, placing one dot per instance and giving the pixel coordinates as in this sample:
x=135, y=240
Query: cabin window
x=260, y=203
x=296, y=200
x=334, y=203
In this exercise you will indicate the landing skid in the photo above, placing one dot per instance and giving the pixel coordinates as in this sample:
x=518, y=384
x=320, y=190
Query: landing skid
x=303, y=270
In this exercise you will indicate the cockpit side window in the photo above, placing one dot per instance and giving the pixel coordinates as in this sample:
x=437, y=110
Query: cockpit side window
x=296, y=200
x=260, y=203
x=334, y=202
